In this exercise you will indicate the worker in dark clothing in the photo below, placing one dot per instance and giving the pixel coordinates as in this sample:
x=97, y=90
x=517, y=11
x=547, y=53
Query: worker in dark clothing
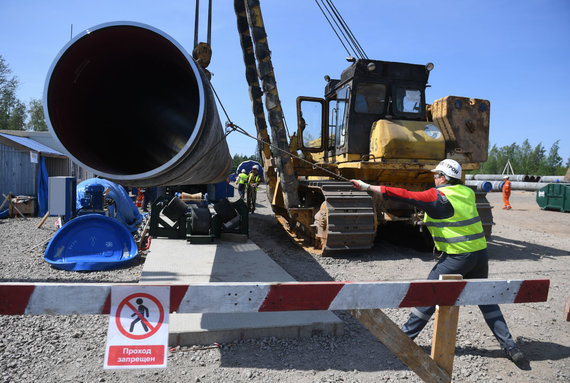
x=149, y=196
x=253, y=180
x=452, y=219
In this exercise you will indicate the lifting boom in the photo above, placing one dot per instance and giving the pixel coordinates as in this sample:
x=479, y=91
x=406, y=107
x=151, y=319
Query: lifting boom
x=372, y=124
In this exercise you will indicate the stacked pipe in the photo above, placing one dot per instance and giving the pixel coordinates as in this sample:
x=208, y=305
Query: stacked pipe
x=494, y=182
x=127, y=102
x=485, y=186
x=515, y=178
x=550, y=179
x=488, y=186
x=499, y=177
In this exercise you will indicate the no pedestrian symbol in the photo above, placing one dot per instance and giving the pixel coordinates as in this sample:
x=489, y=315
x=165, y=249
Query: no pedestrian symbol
x=138, y=327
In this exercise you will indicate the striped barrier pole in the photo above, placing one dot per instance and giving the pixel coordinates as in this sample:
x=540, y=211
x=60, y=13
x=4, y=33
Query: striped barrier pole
x=72, y=298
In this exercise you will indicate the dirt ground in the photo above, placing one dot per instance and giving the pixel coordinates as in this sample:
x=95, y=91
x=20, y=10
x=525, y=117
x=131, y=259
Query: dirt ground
x=527, y=243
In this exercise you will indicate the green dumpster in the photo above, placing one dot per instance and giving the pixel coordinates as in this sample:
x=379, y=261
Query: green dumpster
x=554, y=196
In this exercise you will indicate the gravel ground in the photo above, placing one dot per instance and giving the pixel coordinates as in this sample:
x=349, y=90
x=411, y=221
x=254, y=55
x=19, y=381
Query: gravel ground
x=527, y=243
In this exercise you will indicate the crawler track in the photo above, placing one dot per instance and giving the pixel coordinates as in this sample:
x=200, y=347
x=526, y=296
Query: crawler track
x=346, y=218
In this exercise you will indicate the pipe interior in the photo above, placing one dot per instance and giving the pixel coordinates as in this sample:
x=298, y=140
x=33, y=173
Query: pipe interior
x=123, y=100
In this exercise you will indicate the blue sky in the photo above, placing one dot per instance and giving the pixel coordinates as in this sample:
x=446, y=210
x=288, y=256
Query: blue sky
x=514, y=53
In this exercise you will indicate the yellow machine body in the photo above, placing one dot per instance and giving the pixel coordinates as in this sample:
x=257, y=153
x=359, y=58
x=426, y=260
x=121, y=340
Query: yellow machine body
x=391, y=139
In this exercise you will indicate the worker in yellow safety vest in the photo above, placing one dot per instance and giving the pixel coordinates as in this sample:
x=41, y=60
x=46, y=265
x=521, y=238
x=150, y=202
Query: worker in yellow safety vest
x=253, y=180
x=453, y=221
x=241, y=181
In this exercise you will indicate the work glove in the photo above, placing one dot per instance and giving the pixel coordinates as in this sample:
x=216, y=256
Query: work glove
x=360, y=185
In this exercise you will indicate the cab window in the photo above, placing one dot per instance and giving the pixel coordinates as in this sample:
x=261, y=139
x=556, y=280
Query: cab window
x=409, y=101
x=339, y=114
x=310, y=122
x=370, y=98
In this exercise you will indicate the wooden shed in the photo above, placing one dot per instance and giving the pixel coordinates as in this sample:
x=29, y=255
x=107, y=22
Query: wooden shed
x=20, y=156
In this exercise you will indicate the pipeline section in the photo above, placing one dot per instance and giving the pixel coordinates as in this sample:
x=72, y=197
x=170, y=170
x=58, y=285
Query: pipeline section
x=529, y=186
x=127, y=102
x=484, y=186
x=551, y=179
x=499, y=177
x=514, y=178
x=497, y=186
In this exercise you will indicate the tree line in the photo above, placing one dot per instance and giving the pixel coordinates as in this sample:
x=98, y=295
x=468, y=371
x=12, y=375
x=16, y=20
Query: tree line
x=525, y=160
x=239, y=158
x=14, y=114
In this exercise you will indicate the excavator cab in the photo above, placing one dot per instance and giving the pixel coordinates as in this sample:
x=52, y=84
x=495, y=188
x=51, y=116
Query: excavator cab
x=338, y=127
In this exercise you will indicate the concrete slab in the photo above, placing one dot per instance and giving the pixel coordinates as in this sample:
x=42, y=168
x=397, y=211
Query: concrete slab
x=177, y=262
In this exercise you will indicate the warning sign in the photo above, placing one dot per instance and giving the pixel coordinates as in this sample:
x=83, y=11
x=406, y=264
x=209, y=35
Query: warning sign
x=138, y=327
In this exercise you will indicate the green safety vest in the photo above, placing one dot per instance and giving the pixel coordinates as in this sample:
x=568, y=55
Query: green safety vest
x=462, y=233
x=242, y=178
x=255, y=180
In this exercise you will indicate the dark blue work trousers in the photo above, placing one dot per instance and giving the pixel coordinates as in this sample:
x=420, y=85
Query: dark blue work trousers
x=473, y=265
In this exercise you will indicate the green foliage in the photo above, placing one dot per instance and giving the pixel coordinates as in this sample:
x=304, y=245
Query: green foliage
x=12, y=110
x=239, y=158
x=37, y=120
x=553, y=161
x=525, y=160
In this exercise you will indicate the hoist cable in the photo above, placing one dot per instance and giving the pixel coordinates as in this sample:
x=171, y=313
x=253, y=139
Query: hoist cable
x=236, y=128
x=341, y=29
x=231, y=127
x=334, y=30
x=196, y=20
x=347, y=29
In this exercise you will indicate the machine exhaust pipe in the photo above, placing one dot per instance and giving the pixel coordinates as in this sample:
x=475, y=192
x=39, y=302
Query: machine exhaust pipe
x=127, y=102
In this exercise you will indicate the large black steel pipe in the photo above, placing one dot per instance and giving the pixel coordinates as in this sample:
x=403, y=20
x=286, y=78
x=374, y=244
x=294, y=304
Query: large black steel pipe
x=129, y=103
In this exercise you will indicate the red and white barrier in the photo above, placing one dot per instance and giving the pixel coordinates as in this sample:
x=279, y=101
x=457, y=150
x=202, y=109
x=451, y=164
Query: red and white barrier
x=51, y=298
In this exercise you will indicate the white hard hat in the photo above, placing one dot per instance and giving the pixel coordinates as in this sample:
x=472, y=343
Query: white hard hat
x=243, y=171
x=506, y=177
x=450, y=168
x=255, y=167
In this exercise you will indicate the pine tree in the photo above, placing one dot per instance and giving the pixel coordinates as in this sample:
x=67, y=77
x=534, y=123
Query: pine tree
x=12, y=110
x=37, y=120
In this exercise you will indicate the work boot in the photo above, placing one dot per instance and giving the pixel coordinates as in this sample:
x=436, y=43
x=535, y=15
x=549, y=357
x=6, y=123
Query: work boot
x=515, y=354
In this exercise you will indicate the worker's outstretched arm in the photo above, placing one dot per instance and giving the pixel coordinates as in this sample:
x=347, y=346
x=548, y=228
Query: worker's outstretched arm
x=361, y=185
x=432, y=201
